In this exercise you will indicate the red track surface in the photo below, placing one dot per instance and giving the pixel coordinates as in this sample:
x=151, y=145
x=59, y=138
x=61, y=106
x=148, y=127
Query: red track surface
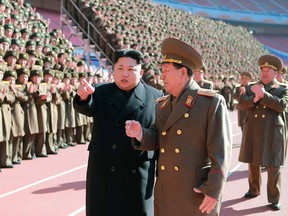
x=55, y=186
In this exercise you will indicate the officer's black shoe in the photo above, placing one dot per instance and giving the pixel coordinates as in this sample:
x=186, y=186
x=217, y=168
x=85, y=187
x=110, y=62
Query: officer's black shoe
x=275, y=206
x=16, y=162
x=42, y=155
x=8, y=166
x=249, y=195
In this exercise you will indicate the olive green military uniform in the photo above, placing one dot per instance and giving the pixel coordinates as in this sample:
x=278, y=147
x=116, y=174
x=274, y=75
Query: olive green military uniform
x=193, y=134
x=18, y=117
x=70, y=121
x=52, y=116
x=264, y=135
x=6, y=145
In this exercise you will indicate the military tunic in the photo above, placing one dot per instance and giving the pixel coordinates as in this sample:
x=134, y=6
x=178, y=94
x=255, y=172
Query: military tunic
x=6, y=145
x=195, y=150
x=266, y=118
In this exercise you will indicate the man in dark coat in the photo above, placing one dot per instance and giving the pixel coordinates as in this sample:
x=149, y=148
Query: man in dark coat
x=264, y=133
x=193, y=132
x=120, y=179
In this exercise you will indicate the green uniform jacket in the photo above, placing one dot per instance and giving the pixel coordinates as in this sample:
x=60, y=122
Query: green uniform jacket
x=195, y=142
x=18, y=115
x=264, y=134
x=7, y=114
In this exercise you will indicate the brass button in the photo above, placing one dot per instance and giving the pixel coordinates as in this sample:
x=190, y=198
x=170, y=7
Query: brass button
x=263, y=116
x=256, y=115
x=264, y=107
x=179, y=132
x=114, y=146
x=164, y=133
x=177, y=151
x=176, y=168
x=162, y=150
x=186, y=115
x=162, y=167
x=112, y=169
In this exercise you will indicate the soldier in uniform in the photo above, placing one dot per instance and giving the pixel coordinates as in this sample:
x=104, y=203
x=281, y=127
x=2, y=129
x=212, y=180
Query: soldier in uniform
x=245, y=79
x=70, y=120
x=11, y=57
x=198, y=76
x=7, y=99
x=60, y=109
x=193, y=132
x=117, y=174
x=52, y=113
x=264, y=134
x=280, y=75
x=18, y=117
x=227, y=93
x=2, y=95
x=41, y=96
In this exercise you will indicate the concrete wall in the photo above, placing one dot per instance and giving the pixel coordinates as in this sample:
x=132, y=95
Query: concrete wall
x=46, y=4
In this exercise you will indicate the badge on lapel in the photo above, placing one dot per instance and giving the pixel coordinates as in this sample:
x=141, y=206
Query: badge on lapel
x=189, y=101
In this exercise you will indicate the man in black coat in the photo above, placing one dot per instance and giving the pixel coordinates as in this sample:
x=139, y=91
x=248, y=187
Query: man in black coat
x=120, y=179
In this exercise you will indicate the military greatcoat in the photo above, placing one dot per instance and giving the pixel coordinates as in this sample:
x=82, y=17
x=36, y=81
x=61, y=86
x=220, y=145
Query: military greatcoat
x=120, y=179
x=195, y=150
x=267, y=119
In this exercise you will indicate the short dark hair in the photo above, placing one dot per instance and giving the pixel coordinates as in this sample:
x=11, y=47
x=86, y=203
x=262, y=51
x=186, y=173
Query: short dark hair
x=134, y=54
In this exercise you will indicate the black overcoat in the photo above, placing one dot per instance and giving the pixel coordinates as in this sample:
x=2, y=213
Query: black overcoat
x=119, y=178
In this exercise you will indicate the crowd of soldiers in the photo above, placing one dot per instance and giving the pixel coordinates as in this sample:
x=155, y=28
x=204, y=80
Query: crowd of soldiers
x=229, y=86
x=38, y=80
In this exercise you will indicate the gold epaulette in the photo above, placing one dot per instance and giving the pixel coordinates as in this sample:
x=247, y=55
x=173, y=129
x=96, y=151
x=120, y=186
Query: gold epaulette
x=206, y=92
x=161, y=98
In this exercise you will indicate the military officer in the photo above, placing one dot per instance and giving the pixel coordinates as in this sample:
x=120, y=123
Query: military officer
x=198, y=76
x=264, y=133
x=41, y=97
x=245, y=79
x=118, y=175
x=52, y=113
x=6, y=145
x=70, y=120
x=193, y=132
x=18, y=117
x=280, y=75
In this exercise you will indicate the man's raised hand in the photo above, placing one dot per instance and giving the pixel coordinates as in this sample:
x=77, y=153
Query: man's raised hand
x=85, y=89
x=134, y=129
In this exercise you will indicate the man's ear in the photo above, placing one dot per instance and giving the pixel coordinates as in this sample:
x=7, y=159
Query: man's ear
x=184, y=71
x=141, y=72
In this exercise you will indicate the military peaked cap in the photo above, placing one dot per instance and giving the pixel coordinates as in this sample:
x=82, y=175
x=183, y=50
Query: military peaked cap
x=179, y=52
x=271, y=61
x=23, y=70
x=9, y=73
x=246, y=74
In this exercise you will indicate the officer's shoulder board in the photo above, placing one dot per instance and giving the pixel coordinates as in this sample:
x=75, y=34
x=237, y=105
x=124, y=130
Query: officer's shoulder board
x=161, y=98
x=206, y=92
x=252, y=83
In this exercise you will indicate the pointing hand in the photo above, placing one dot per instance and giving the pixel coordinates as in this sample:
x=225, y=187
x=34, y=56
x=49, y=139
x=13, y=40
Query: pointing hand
x=134, y=129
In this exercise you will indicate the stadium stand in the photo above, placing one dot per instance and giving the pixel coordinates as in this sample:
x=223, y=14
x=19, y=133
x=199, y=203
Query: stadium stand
x=227, y=49
x=267, y=20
